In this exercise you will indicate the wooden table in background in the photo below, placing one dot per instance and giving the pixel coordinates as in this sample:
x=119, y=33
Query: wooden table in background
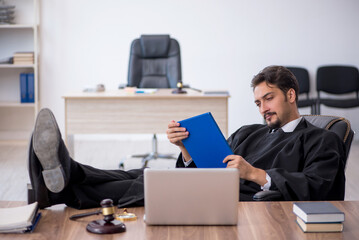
x=257, y=220
x=117, y=112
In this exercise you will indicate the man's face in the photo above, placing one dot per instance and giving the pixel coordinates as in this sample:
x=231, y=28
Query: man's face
x=273, y=105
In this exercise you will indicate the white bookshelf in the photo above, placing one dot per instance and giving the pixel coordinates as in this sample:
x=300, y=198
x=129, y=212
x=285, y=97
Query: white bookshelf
x=16, y=118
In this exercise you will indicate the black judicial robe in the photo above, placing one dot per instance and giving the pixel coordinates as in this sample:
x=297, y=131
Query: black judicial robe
x=306, y=164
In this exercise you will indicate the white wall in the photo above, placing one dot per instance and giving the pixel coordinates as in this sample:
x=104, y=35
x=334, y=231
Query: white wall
x=223, y=43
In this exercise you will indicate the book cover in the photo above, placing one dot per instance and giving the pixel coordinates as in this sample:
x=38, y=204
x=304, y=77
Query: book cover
x=311, y=212
x=205, y=143
x=19, y=219
x=30, y=88
x=23, y=88
x=27, y=229
x=320, y=227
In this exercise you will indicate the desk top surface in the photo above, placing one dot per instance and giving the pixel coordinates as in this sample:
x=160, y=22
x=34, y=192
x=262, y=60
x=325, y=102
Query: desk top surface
x=160, y=93
x=257, y=220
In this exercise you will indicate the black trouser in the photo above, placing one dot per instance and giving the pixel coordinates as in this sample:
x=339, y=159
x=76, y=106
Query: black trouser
x=88, y=186
x=124, y=188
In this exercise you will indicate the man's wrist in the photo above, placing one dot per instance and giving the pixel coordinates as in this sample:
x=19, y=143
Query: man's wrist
x=259, y=176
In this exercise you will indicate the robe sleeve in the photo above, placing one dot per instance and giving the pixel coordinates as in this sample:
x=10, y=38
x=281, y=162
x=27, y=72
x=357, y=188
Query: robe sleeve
x=180, y=164
x=322, y=177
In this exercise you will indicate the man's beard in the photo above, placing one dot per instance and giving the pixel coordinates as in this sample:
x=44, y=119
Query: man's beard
x=273, y=125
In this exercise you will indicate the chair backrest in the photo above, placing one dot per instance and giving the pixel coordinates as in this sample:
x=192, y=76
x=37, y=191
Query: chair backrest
x=337, y=79
x=155, y=62
x=302, y=76
x=339, y=125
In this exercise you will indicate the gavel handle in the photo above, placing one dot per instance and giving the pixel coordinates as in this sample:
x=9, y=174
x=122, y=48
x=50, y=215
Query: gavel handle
x=81, y=215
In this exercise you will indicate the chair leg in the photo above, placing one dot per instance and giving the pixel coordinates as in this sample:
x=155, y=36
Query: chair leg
x=149, y=156
x=313, y=109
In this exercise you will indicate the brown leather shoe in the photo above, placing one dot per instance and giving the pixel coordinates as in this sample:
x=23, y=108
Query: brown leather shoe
x=46, y=140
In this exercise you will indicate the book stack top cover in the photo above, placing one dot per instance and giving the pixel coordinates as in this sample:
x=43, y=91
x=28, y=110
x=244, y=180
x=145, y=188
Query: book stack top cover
x=19, y=219
x=24, y=58
x=205, y=143
x=318, y=217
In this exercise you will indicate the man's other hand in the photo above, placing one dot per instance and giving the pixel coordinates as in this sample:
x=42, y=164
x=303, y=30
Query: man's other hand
x=246, y=170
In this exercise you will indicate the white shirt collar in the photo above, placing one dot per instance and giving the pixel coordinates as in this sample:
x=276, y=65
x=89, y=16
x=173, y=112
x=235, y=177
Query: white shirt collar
x=289, y=127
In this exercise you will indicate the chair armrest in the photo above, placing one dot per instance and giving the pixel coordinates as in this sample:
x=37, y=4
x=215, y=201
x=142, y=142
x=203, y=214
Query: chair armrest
x=268, y=196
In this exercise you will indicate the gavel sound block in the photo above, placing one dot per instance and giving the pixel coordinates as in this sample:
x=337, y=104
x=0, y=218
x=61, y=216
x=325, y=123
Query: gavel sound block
x=109, y=224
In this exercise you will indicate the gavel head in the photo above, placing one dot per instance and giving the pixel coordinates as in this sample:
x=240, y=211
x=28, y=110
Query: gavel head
x=108, y=210
x=179, y=85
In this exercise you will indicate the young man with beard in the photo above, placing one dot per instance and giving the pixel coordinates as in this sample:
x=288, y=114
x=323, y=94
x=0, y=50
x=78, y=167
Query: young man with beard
x=288, y=154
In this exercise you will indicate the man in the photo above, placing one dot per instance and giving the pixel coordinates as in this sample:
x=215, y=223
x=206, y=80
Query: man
x=301, y=161
x=291, y=155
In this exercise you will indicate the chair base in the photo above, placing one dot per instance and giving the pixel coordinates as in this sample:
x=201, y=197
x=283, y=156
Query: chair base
x=149, y=156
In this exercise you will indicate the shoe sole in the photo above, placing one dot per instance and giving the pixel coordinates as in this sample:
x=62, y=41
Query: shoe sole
x=46, y=141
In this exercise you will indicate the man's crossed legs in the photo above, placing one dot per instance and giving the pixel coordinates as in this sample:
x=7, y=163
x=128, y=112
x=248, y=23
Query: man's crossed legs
x=56, y=178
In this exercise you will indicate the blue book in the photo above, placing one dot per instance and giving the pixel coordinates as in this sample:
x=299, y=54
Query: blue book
x=23, y=88
x=30, y=88
x=205, y=143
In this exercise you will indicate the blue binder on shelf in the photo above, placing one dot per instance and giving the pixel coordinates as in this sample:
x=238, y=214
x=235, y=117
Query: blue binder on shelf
x=23, y=88
x=205, y=143
x=30, y=88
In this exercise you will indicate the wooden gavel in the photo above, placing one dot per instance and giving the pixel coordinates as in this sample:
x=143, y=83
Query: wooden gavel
x=108, y=225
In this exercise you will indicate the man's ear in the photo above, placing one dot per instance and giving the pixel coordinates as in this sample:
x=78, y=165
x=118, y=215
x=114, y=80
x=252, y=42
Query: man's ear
x=291, y=95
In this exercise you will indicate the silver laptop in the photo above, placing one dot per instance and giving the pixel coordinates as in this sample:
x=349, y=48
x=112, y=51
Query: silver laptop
x=191, y=196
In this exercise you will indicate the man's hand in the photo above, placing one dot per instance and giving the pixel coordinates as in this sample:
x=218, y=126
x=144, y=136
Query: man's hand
x=175, y=134
x=246, y=171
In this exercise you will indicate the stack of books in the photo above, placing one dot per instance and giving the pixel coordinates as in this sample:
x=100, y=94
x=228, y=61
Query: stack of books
x=19, y=219
x=318, y=217
x=24, y=58
x=6, y=14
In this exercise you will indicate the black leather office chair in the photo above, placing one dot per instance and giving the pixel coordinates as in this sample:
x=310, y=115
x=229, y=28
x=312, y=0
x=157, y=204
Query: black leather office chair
x=155, y=62
x=302, y=77
x=338, y=80
x=339, y=125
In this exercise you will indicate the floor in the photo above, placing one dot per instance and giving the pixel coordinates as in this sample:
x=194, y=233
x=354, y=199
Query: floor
x=106, y=152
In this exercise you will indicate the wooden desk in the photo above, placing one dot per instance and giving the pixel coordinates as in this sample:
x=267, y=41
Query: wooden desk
x=257, y=220
x=119, y=112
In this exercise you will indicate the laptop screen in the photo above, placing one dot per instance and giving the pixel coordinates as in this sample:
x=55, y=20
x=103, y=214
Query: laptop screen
x=191, y=196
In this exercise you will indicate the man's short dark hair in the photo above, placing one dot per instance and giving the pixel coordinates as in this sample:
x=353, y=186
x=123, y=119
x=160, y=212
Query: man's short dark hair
x=278, y=76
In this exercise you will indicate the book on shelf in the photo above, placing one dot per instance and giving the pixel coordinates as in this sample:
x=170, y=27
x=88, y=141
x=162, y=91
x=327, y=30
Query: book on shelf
x=23, y=88
x=205, y=142
x=27, y=88
x=19, y=219
x=320, y=227
x=30, y=88
x=318, y=212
